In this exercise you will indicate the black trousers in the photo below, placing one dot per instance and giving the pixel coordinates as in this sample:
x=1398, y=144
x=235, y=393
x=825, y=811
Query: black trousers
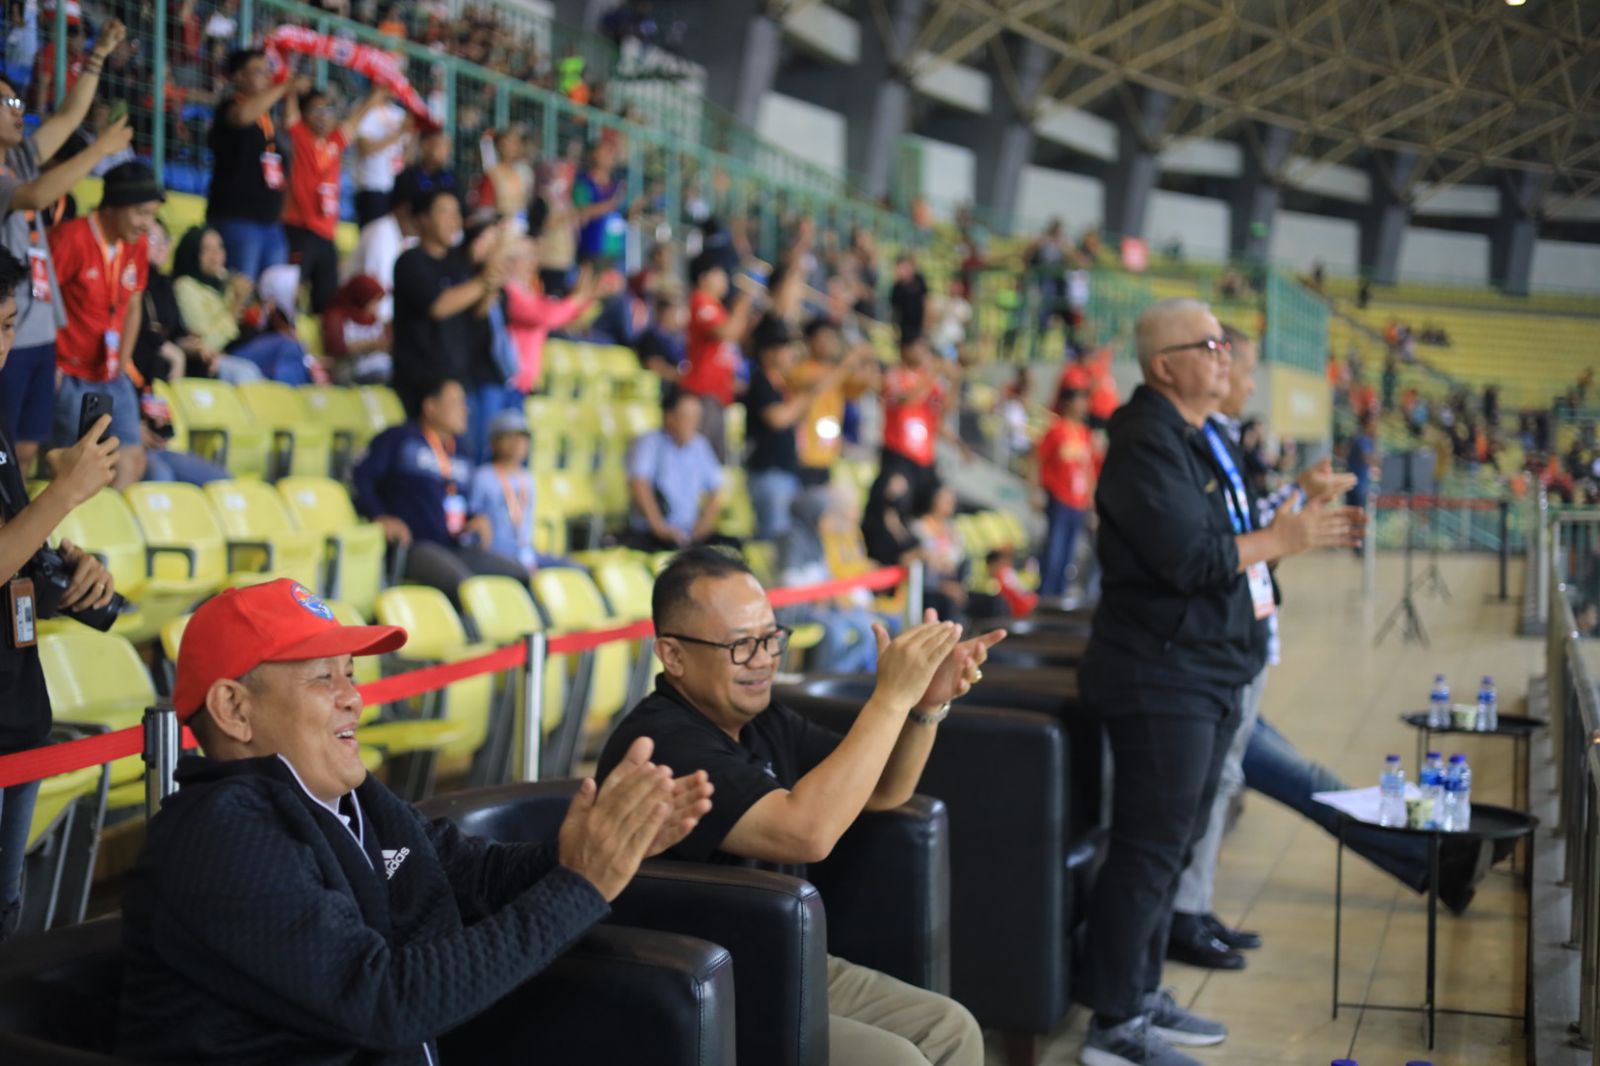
x=318, y=260
x=1167, y=746
x=371, y=204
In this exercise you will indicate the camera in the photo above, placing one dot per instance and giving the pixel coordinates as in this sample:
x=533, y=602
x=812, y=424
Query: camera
x=52, y=576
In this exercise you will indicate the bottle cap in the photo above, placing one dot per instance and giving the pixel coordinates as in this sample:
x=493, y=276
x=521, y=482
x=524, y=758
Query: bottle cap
x=1487, y=680
x=1418, y=1062
x=1438, y=677
x=1345, y=1062
x=1391, y=758
x=1434, y=755
x=1458, y=758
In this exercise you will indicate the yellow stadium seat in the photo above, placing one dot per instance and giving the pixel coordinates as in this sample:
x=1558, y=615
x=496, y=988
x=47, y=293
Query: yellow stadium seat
x=261, y=534
x=738, y=517
x=98, y=679
x=503, y=612
x=356, y=549
x=573, y=496
x=435, y=635
x=56, y=794
x=221, y=428
x=628, y=585
x=733, y=426
x=383, y=405
x=343, y=412
x=104, y=526
x=186, y=543
x=179, y=441
x=572, y=603
x=301, y=444
x=63, y=833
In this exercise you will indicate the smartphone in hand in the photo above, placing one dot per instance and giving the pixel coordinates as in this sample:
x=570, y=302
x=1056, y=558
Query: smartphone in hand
x=94, y=405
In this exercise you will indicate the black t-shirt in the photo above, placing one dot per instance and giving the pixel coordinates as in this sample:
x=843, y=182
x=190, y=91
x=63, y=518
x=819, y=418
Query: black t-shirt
x=238, y=181
x=774, y=751
x=909, y=302
x=24, y=700
x=770, y=449
x=426, y=348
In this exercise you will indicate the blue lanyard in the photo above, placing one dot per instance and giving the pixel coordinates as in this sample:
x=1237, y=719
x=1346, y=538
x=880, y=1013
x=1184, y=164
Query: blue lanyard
x=1238, y=500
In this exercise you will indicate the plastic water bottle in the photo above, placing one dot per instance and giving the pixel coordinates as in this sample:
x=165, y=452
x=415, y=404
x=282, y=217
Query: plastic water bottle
x=1439, y=704
x=1430, y=779
x=1392, y=793
x=1488, y=707
x=1457, y=796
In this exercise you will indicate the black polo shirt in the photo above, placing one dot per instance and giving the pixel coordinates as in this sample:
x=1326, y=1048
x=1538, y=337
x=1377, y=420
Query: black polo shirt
x=776, y=749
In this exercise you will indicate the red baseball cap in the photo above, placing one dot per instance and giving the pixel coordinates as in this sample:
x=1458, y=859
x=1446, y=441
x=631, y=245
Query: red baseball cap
x=277, y=622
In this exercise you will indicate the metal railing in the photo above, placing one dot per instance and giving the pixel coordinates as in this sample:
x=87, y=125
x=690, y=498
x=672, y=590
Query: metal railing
x=1572, y=655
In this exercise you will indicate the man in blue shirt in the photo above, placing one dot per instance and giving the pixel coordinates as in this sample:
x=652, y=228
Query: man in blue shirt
x=412, y=482
x=674, y=480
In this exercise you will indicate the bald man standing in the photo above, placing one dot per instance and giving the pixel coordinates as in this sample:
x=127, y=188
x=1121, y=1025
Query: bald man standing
x=1180, y=631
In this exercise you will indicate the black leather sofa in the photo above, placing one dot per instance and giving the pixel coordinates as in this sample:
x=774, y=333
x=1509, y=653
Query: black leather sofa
x=1021, y=771
x=887, y=885
x=618, y=995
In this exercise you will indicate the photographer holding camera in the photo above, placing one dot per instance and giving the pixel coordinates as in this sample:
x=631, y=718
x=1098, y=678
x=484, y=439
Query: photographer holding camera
x=67, y=579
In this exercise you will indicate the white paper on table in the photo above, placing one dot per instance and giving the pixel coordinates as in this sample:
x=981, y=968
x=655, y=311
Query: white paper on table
x=1361, y=803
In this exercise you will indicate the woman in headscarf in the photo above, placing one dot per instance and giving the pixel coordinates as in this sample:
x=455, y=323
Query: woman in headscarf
x=210, y=298
x=355, y=339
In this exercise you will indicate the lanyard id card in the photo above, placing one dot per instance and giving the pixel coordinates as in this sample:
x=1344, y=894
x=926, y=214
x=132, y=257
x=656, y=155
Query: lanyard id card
x=272, y=169
x=20, y=606
x=39, y=274
x=1260, y=579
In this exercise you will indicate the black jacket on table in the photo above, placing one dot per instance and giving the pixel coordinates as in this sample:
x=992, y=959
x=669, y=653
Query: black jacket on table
x=1174, y=609
x=257, y=930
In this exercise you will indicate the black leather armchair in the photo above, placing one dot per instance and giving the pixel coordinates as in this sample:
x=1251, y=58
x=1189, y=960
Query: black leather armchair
x=887, y=882
x=618, y=995
x=1023, y=845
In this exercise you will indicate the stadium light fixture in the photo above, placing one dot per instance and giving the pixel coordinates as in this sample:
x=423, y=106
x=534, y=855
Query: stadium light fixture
x=1515, y=3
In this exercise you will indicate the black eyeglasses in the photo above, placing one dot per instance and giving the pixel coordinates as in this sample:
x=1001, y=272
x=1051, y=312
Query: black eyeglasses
x=741, y=651
x=1216, y=347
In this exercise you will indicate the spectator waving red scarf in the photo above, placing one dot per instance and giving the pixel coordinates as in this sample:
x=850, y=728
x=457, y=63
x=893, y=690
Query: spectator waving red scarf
x=366, y=60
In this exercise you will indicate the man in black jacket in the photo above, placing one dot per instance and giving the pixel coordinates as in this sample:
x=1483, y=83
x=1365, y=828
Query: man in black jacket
x=289, y=908
x=1179, y=631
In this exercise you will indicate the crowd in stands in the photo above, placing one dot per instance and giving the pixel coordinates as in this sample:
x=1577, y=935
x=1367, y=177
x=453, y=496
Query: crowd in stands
x=463, y=275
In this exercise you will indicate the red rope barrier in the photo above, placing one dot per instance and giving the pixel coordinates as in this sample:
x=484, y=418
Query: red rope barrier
x=572, y=643
x=1445, y=503
x=63, y=758
x=431, y=678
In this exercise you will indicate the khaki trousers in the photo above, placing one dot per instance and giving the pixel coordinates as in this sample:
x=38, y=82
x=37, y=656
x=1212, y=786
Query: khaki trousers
x=876, y=1020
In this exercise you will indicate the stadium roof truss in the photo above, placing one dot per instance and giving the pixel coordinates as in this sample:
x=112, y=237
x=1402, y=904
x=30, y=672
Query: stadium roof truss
x=1470, y=87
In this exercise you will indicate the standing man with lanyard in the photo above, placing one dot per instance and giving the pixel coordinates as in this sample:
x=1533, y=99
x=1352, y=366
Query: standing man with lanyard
x=1179, y=632
x=1197, y=936
x=28, y=382
x=104, y=259
x=245, y=201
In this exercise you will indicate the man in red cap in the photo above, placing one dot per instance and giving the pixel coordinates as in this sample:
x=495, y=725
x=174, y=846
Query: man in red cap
x=288, y=907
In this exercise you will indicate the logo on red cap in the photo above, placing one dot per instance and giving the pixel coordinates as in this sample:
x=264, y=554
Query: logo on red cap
x=311, y=602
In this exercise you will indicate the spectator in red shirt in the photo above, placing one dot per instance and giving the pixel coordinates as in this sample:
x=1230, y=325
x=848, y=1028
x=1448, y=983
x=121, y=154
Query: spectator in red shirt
x=713, y=356
x=311, y=209
x=1066, y=467
x=102, y=261
x=913, y=420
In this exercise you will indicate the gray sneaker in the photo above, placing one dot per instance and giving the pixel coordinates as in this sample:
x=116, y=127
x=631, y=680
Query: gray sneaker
x=1177, y=1026
x=1133, y=1043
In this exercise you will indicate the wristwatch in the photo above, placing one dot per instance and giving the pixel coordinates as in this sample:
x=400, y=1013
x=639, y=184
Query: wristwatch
x=933, y=717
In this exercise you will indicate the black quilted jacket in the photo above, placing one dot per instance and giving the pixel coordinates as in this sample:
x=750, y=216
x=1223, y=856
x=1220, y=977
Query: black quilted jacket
x=257, y=931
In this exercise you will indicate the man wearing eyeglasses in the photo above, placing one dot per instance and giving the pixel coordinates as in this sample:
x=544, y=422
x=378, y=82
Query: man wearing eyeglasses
x=786, y=790
x=1180, y=631
x=27, y=197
